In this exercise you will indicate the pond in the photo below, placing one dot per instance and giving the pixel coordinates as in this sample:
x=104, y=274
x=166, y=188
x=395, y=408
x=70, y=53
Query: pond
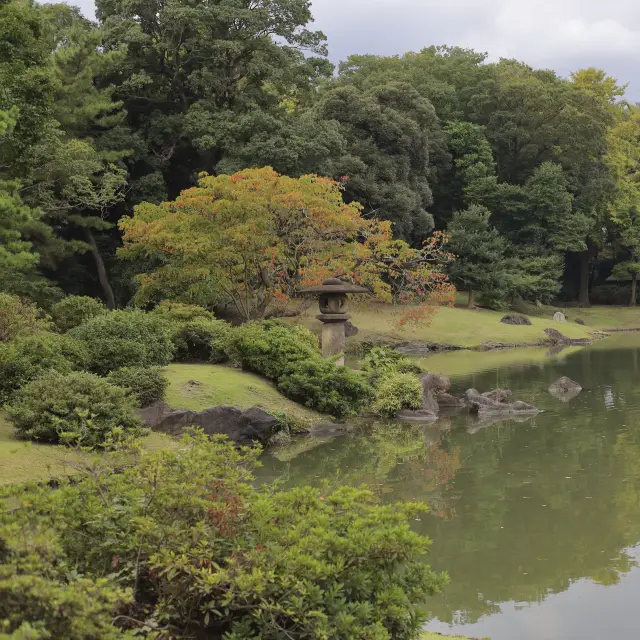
x=538, y=522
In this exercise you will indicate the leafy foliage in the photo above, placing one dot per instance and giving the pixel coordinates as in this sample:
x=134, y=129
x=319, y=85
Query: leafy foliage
x=126, y=338
x=77, y=408
x=380, y=362
x=18, y=318
x=396, y=392
x=29, y=357
x=240, y=240
x=147, y=384
x=73, y=311
x=307, y=563
x=201, y=340
x=323, y=386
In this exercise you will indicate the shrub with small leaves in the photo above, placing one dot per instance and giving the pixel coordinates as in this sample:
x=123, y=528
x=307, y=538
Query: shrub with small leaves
x=201, y=340
x=19, y=318
x=396, y=392
x=382, y=361
x=126, y=339
x=270, y=346
x=29, y=357
x=179, y=312
x=213, y=555
x=78, y=408
x=73, y=311
x=147, y=384
x=321, y=385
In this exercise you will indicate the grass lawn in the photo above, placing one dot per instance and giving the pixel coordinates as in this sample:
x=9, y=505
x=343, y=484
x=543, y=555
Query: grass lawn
x=451, y=326
x=22, y=461
x=217, y=384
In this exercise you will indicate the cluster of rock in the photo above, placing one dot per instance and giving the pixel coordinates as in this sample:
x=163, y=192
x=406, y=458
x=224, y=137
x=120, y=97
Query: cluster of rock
x=565, y=389
x=436, y=399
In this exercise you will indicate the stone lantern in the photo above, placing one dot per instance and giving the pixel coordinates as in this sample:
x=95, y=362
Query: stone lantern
x=334, y=303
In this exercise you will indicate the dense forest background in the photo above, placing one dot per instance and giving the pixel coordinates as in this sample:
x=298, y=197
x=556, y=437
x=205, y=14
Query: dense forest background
x=533, y=177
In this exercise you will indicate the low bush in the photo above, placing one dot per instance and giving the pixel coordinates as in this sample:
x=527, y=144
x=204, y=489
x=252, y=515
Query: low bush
x=321, y=385
x=126, y=339
x=206, y=553
x=29, y=357
x=396, y=392
x=19, y=318
x=179, y=312
x=269, y=347
x=147, y=384
x=383, y=361
x=73, y=311
x=201, y=340
x=77, y=408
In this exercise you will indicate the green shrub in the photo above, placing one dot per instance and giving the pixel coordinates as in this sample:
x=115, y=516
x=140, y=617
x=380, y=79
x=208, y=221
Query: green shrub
x=19, y=318
x=396, y=392
x=126, y=339
x=179, y=312
x=201, y=340
x=77, y=408
x=73, y=311
x=382, y=361
x=210, y=554
x=147, y=384
x=321, y=385
x=269, y=347
x=29, y=357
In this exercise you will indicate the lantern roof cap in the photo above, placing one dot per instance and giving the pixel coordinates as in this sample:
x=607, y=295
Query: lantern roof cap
x=335, y=285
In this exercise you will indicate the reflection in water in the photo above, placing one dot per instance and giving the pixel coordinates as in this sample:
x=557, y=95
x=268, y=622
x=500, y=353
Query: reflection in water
x=535, y=522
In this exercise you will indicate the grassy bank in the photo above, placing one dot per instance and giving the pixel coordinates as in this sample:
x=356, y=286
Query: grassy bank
x=199, y=386
x=456, y=326
x=429, y=635
x=191, y=386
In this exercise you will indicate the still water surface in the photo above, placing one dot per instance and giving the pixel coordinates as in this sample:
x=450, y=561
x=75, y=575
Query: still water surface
x=537, y=523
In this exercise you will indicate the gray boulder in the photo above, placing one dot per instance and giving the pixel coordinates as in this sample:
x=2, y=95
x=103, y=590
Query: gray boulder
x=580, y=321
x=433, y=387
x=565, y=389
x=241, y=427
x=559, y=317
x=350, y=329
x=557, y=338
x=495, y=403
x=516, y=319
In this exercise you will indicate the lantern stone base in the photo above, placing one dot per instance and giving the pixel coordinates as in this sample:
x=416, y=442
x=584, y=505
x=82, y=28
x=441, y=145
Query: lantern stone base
x=333, y=335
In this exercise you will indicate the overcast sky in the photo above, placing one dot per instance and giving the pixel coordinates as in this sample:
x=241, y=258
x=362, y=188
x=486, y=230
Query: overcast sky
x=563, y=35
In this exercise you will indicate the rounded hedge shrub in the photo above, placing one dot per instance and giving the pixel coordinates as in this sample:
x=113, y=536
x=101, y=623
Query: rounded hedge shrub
x=321, y=385
x=79, y=408
x=29, y=357
x=201, y=340
x=268, y=347
x=73, y=311
x=382, y=361
x=126, y=339
x=179, y=312
x=147, y=384
x=396, y=392
x=19, y=318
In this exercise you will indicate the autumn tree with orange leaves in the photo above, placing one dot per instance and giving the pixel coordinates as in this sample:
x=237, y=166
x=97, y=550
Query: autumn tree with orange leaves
x=253, y=239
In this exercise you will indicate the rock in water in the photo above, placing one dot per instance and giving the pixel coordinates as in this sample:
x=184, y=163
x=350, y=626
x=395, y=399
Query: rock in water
x=565, y=389
x=433, y=386
x=494, y=402
x=242, y=427
x=421, y=415
x=559, y=317
x=515, y=318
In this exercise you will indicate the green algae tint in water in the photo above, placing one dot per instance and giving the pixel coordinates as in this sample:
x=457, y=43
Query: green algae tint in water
x=537, y=523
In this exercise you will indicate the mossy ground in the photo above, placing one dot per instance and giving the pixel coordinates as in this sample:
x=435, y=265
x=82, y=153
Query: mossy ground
x=457, y=326
x=217, y=384
x=22, y=461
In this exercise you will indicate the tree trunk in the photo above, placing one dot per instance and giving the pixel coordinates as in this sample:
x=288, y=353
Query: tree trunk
x=102, y=272
x=472, y=299
x=634, y=286
x=583, y=297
